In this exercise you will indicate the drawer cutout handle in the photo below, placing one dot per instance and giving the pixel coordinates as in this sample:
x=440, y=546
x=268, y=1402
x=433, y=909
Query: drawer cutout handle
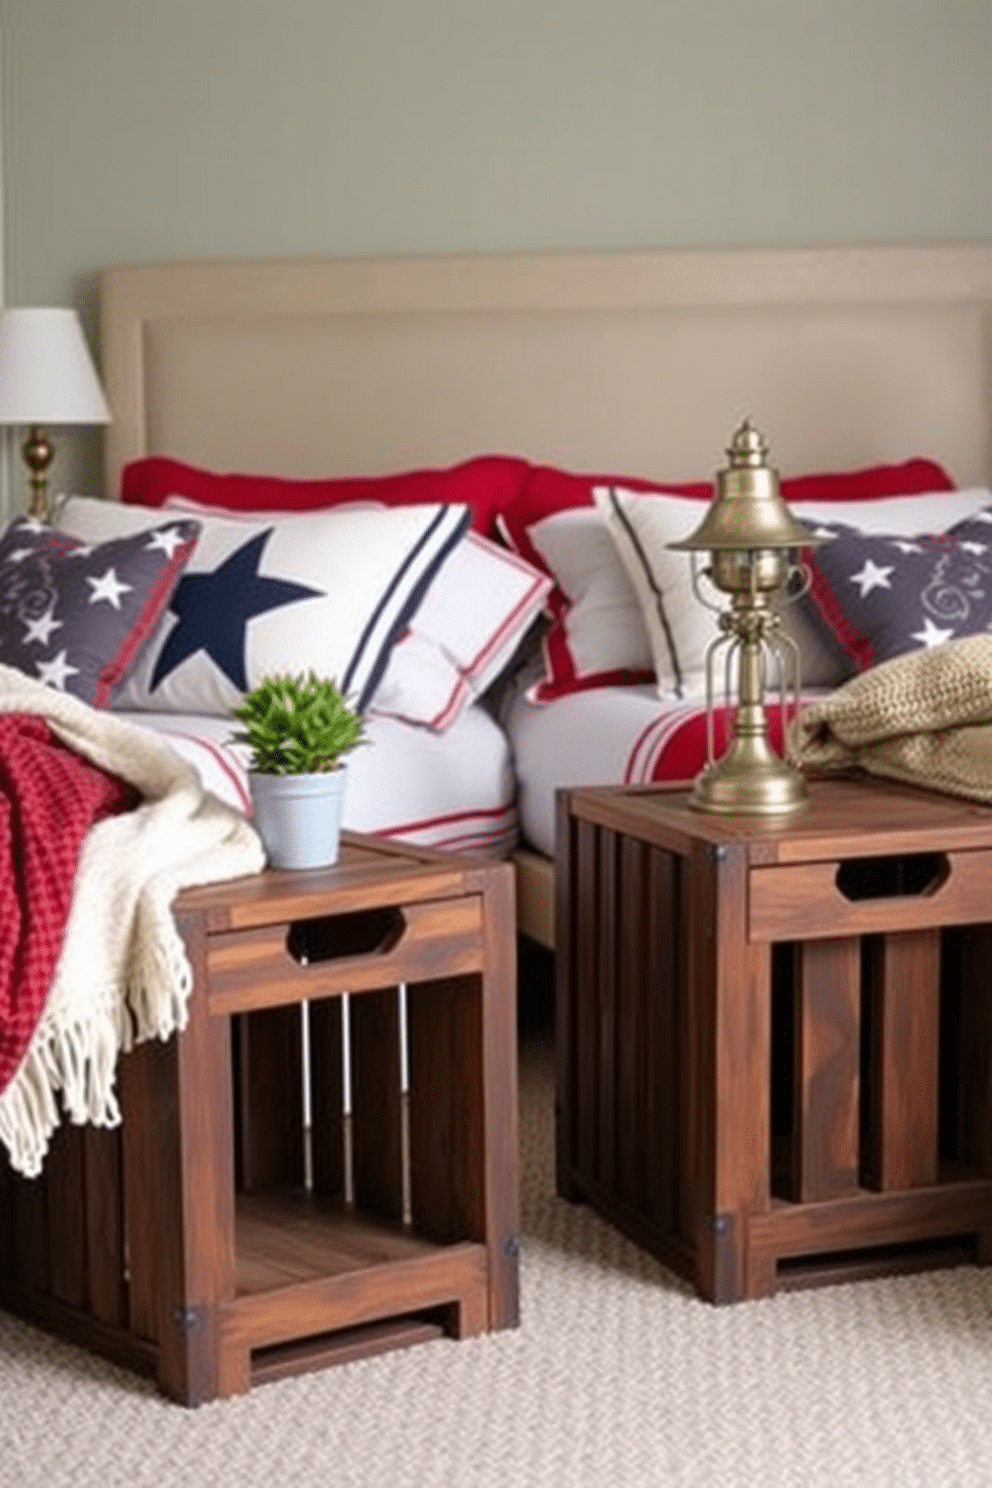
x=366, y=932
x=905, y=876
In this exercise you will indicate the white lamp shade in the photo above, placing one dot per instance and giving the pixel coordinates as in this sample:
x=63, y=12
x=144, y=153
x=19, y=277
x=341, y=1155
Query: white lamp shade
x=46, y=372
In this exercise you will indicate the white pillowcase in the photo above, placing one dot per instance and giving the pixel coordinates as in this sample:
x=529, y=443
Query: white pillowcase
x=332, y=591
x=602, y=627
x=473, y=617
x=679, y=628
x=478, y=608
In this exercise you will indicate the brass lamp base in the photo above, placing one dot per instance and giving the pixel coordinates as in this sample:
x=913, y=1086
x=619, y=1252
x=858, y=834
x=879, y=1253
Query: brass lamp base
x=751, y=778
x=37, y=453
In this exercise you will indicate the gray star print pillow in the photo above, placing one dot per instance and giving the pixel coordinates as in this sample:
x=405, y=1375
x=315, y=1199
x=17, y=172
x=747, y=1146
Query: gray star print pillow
x=876, y=595
x=75, y=615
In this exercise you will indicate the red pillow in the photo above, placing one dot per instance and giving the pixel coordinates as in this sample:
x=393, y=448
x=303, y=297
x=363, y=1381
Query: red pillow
x=487, y=484
x=548, y=491
x=908, y=478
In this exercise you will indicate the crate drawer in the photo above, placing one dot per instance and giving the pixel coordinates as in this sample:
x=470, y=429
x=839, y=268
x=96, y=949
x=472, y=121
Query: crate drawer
x=303, y=959
x=865, y=895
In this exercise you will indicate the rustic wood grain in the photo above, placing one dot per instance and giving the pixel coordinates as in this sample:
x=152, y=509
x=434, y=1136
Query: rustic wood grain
x=825, y=1149
x=901, y=1147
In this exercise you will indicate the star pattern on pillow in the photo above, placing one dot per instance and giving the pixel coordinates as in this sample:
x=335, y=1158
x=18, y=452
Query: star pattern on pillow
x=56, y=672
x=329, y=591
x=880, y=595
x=38, y=631
x=932, y=635
x=871, y=576
x=107, y=587
x=213, y=610
x=75, y=615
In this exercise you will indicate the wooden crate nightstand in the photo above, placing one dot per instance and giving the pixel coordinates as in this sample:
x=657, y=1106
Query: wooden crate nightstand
x=775, y=1038
x=207, y=1239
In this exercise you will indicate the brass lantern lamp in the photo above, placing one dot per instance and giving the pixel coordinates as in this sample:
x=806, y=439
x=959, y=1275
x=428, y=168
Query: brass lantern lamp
x=752, y=541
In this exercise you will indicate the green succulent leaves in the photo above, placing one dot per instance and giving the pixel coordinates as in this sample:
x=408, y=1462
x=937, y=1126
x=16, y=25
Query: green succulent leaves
x=297, y=725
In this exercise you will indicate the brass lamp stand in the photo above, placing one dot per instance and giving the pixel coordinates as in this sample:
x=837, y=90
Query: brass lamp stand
x=749, y=532
x=37, y=452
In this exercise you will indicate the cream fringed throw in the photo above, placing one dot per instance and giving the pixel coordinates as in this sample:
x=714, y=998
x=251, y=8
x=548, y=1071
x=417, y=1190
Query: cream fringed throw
x=925, y=718
x=123, y=974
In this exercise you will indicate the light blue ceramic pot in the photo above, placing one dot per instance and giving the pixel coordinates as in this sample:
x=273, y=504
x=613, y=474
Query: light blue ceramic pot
x=298, y=817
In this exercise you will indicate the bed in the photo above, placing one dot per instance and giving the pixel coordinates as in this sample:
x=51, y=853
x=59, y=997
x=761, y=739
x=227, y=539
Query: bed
x=635, y=364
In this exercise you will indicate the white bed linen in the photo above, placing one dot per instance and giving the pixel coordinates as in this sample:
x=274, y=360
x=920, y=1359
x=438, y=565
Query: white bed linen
x=586, y=738
x=603, y=736
x=453, y=790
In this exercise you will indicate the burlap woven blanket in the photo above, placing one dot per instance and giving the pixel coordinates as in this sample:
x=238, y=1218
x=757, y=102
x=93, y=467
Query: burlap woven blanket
x=925, y=718
x=123, y=973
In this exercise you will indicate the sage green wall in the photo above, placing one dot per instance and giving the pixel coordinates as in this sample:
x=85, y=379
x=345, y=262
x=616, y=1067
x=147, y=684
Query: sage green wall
x=137, y=129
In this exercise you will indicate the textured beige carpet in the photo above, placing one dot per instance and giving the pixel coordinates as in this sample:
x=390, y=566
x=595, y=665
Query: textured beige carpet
x=617, y=1376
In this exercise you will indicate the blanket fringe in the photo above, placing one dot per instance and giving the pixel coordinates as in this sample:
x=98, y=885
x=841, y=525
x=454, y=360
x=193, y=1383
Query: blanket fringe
x=77, y=1059
x=160, y=983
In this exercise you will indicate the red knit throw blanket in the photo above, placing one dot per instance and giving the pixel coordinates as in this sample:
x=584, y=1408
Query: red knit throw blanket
x=49, y=798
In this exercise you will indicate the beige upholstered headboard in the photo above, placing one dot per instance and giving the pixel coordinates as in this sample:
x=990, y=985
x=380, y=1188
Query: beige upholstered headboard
x=641, y=363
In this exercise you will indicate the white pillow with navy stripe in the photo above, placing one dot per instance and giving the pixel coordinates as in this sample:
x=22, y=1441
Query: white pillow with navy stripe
x=479, y=606
x=333, y=592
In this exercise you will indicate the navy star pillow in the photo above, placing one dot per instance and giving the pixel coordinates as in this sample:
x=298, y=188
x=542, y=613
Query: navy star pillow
x=331, y=591
x=76, y=615
x=877, y=595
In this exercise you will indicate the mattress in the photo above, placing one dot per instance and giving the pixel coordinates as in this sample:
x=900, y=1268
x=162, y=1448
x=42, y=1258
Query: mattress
x=604, y=736
x=454, y=790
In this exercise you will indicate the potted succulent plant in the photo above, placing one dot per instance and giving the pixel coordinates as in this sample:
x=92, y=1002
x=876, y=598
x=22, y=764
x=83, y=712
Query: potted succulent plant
x=299, y=730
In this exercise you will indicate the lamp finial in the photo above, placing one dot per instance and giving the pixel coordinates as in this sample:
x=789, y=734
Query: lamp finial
x=747, y=448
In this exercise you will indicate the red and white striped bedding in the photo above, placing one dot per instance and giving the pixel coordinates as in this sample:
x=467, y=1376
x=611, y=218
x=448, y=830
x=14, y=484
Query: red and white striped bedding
x=454, y=790
x=605, y=736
